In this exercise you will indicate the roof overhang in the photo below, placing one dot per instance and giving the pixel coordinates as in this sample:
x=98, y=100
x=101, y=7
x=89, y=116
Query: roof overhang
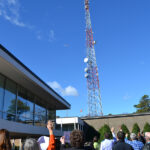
x=11, y=67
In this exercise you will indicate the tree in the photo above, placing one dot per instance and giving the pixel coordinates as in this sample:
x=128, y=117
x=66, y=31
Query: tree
x=146, y=127
x=104, y=129
x=144, y=104
x=125, y=129
x=21, y=108
x=135, y=129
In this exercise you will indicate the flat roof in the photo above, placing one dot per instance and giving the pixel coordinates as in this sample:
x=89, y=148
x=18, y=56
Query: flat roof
x=12, y=67
x=115, y=116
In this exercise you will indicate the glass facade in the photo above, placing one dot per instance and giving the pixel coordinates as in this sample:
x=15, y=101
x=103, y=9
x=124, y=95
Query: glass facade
x=19, y=104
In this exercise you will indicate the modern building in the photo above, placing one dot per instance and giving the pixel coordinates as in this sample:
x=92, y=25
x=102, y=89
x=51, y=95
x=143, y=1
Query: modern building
x=26, y=102
x=69, y=124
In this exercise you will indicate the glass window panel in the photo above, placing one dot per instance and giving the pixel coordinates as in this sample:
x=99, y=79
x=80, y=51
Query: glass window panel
x=51, y=115
x=24, y=106
x=1, y=94
x=10, y=98
x=40, y=115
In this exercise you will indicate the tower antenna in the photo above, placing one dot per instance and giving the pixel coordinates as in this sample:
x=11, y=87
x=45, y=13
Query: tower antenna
x=94, y=95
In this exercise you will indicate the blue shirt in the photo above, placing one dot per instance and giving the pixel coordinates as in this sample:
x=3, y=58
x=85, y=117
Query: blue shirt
x=137, y=145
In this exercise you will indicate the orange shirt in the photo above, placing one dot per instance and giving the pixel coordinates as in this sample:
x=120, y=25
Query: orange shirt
x=52, y=144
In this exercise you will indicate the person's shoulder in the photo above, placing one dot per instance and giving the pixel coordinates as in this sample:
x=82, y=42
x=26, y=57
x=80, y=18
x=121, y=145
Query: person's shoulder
x=128, y=146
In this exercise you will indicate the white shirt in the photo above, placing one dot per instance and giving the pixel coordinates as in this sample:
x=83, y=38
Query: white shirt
x=106, y=144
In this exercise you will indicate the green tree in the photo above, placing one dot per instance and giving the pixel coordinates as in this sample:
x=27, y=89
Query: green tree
x=146, y=127
x=135, y=129
x=104, y=129
x=125, y=129
x=144, y=104
x=21, y=108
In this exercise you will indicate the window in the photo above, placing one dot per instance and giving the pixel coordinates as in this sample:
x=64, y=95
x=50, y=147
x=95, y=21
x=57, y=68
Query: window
x=1, y=94
x=51, y=114
x=10, y=100
x=24, y=106
x=40, y=115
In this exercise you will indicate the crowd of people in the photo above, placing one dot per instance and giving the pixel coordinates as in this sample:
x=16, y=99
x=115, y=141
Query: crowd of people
x=118, y=142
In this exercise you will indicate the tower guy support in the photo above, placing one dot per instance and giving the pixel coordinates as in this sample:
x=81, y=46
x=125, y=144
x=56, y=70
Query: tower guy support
x=94, y=95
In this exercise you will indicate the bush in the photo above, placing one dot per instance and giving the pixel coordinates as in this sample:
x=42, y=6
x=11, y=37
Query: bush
x=135, y=129
x=104, y=129
x=125, y=130
x=146, y=127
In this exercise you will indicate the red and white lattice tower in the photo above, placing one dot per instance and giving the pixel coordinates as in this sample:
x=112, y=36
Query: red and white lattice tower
x=94, y=96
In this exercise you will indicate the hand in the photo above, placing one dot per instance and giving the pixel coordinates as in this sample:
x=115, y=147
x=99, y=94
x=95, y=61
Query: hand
x=62, y=140
x=112, y=129
x=50, y=125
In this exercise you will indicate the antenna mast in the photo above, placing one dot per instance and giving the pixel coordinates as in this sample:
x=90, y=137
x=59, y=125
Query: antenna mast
x=94, y=96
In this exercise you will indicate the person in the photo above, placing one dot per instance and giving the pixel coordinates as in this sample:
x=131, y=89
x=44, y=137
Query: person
x=107, y=144
x=141, y=137
x=76, y=141
x=31, y=144
x=137, y=145
x=147, y=145
x=95, y=143
x=5, y=140
x=120, y=144
x=45, y=142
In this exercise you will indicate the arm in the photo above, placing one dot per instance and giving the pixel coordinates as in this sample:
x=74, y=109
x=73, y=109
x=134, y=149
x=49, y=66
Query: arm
x=52, y=144
x=113, y=134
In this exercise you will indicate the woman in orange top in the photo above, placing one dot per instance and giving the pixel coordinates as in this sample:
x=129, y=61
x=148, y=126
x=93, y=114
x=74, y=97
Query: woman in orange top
x=52, y=144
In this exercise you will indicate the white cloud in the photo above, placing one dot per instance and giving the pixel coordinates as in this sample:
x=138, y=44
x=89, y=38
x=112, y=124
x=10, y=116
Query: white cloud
x=51, y=35
x=68, y=91
x=10, y=11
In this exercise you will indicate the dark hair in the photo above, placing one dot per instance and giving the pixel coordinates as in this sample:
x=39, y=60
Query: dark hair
x=121, y=135
x=95, y=139
x=76, y=138
x=107, y=135
x=4, y=140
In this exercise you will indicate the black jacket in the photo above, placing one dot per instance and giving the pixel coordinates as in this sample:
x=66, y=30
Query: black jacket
x=121, y=145
x=146, y=146
x=70, y=148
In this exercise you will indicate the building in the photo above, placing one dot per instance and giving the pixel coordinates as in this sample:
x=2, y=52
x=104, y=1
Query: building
x=26, y=102
x=69, y=124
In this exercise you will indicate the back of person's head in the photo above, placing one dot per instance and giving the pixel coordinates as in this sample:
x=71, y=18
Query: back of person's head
x=95, y=139
x=133, y=136
x=121, y=135
x=31, y=144
x=147, y=136
x=4, y=140
x=76, y=139
x=107, y=135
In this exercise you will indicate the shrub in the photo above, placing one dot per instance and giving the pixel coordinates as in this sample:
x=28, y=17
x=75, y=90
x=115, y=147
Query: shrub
x=104, y=129
x=125, y=130
x=146, y=127
x=135, y=129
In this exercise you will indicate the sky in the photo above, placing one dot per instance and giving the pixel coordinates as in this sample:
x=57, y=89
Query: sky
x=49, y=38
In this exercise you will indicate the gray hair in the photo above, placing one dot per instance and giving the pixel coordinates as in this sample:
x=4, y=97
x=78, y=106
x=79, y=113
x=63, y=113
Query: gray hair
x=133, y=136
x=31, y=144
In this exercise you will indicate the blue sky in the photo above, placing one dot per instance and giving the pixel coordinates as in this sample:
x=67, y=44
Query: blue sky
x=49, y=37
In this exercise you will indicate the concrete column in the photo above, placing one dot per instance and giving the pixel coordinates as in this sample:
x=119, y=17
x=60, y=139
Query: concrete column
x=78, y=126
x=61, y=127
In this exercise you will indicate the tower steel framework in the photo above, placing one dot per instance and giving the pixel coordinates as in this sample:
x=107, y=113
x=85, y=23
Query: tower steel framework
x=94, y=95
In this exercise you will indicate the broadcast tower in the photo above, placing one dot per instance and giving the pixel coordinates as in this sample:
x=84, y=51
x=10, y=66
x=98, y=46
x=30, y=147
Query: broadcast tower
x=94, y=95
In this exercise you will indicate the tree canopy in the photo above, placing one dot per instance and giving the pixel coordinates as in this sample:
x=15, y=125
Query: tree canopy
x=136, y=129
x=104, y=129
x=144, y=104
